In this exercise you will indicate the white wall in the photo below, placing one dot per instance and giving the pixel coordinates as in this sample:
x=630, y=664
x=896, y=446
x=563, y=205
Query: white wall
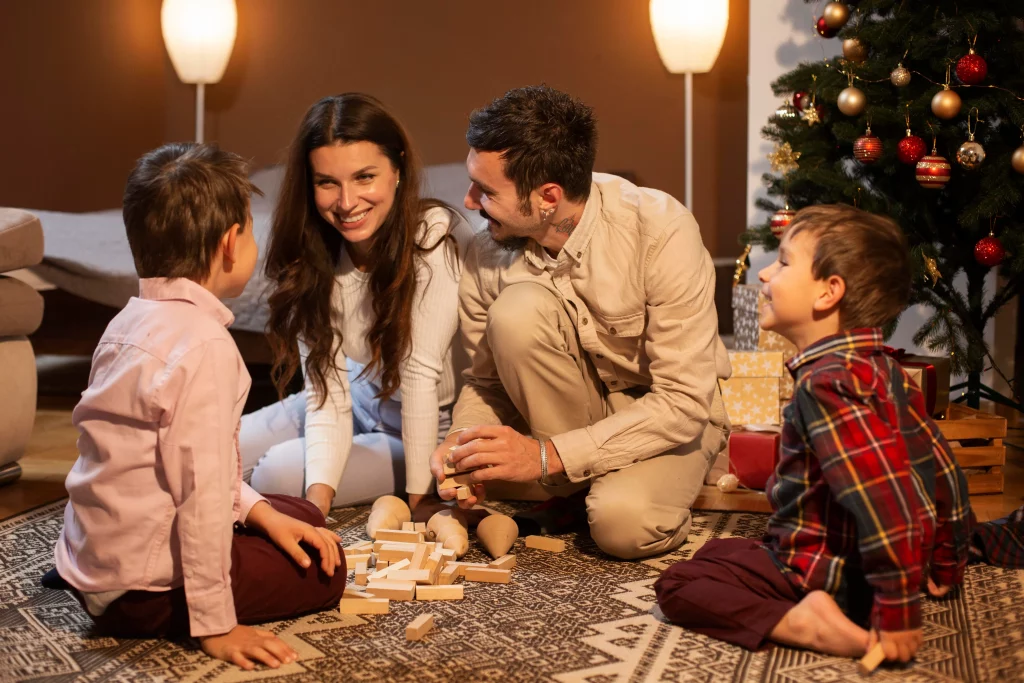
x=781, y=37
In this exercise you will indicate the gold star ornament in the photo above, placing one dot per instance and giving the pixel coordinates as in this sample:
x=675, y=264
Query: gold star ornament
x=810, y=115
x=932, y=266
x=783, y=159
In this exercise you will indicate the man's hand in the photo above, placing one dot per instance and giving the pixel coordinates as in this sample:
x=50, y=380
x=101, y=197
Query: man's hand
x=937, y=591
x=322, y=496
x=243, y=644
x=897, y=645
x=286, y=533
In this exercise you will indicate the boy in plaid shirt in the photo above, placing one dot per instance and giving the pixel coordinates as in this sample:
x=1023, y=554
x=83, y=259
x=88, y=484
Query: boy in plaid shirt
x=870, y=508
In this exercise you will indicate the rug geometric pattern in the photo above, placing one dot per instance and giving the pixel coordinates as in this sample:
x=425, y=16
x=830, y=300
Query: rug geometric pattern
x=573, y=616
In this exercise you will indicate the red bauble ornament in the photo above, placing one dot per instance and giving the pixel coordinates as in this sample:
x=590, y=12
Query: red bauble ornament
x=911, y=149
x=933, y=171
x=971, y=69
x=867, y=149
x=989, y=251
x=823, y=29
x=781, y=219
x=800, y=99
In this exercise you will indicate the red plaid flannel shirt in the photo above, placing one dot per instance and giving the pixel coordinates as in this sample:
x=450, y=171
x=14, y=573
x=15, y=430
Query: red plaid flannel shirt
x=865, y=482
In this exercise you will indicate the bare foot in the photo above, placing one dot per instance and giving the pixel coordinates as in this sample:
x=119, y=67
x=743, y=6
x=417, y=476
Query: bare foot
x=817, y=623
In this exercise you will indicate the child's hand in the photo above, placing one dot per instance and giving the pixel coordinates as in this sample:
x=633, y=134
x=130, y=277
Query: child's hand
x=898, y=645
x=243, y=644
x=937, y=591
x=286, y=533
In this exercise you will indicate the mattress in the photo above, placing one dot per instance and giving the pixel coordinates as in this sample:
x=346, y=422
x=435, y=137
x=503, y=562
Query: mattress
x=87, y=254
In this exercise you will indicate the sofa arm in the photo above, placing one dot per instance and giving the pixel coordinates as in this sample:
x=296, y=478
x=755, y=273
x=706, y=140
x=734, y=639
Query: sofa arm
x=21, y=240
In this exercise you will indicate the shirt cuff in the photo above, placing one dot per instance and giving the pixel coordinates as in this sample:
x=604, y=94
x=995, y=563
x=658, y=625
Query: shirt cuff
x=576, y=450
x=418, y=479
x=212, y=614
x=945, y=574
x=246, y=499
x=897, y=613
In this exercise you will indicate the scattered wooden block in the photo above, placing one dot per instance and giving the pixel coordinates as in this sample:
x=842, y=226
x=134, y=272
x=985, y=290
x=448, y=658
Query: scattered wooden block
x=393, y=590
x=364, y=606
x=449, y=554
x=871, y=660
x=360, y=548
x=487, y=575
x=447, y=592
x=353, y=560
x=553, y=545
x=504, y=562
x=383, y=572
x=395, y=553
x=380, y=564
x=421, y=527
x=353, y=592
x=419, y=627
x=419, y=556
x=404, y=536
x=463, y=492
x=415, y=575
x=361, y=573
x=408, y=526
x=449, y=574
x=454, y=481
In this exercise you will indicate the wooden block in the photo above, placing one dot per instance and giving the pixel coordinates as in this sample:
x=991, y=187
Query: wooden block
x=415, y=575
x=421, y=527
x=871, y=660
x=365, y=606
x=361, y=573
x=353, y=560
x=404, y=536
x=408, y=526
x=504, y=562
x=360, y=548
x=454, y=481
x=410, y=546
x=446, y=592
x=380, y=564
x=393, y=590
x=394, y=554
x=554, y=545
x=419, y=627
x=353, y=592
x=449, y=574
x=487, y=575
x=463, y=492
x=419, y=556
x=448, y=553
x=434, y=564
x=384, y=571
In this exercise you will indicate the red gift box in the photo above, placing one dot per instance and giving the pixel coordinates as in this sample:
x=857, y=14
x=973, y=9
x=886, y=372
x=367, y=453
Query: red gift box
x=753, y=456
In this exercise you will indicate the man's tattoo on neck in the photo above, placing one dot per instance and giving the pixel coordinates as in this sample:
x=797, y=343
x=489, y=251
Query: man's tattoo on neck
x=565, y=226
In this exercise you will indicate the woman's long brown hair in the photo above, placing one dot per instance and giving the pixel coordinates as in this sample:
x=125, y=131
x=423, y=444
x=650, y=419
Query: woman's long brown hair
x=304, y=251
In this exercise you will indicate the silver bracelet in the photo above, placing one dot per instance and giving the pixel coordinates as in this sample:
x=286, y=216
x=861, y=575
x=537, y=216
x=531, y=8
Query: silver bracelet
x=543, y=462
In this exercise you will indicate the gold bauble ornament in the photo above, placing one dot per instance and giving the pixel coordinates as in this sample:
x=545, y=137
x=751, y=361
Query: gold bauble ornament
x=836, y=15
x=855, y=51
x=946, y=103
x=970, y=155
x=900, y=76
x=1018, y=159
x=852, y=101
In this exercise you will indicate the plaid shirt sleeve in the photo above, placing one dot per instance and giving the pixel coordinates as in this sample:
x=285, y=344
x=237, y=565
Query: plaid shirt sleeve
x=869, y=475
x=952, y=516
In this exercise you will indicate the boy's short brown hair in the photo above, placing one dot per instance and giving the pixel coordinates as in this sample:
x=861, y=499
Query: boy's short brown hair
x=868, y=251
x=179, y=201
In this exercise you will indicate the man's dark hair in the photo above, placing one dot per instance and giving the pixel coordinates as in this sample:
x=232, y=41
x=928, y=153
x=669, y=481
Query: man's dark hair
x=179, y=201
x=544, y=136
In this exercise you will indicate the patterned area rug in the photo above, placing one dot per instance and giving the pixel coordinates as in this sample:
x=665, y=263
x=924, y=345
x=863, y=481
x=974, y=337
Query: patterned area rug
x=574, y=616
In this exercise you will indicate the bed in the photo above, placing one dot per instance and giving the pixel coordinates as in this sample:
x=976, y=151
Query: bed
x=87, y=273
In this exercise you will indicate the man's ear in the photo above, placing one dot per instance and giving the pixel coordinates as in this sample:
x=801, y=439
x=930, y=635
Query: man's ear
x=549, y=196
x=832, y=292
x=227, y=245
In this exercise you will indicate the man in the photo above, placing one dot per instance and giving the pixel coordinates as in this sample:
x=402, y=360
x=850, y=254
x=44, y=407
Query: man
x=587, y=311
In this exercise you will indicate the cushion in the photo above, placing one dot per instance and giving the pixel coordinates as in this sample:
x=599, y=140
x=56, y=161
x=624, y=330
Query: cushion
x=21, y=239
x=21, y=308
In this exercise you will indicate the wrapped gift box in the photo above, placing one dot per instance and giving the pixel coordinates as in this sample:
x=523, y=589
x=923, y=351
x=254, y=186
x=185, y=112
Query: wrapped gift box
x=748, y=335
x=931, y=374
x=753, y=456
x=751, y=400
x=756, y=363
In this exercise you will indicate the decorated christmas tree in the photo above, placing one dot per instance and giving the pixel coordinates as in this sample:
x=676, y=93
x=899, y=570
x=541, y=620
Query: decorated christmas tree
x=921, y=119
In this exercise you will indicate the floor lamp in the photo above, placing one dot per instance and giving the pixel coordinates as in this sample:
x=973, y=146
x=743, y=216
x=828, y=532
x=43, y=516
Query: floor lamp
x=689, y=36
x=199, y=35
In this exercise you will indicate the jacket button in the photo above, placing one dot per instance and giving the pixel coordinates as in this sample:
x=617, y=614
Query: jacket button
x=614, y=382
x=612, y=330
x=579, y=254
x=636, y=460
x=586, y=320
x=586, y=473
x=599, y=356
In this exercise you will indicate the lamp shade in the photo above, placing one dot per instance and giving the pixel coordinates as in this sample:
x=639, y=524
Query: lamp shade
x=689, y=33
x=199, y=35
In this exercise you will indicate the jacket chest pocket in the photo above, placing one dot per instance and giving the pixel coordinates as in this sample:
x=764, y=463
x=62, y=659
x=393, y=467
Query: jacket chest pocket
x=623, y=334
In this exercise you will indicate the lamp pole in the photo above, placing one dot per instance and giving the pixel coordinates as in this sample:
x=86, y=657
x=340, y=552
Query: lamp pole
x=201, y=109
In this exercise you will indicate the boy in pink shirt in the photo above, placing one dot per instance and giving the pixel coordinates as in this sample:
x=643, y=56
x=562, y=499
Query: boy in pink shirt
x=161, y=536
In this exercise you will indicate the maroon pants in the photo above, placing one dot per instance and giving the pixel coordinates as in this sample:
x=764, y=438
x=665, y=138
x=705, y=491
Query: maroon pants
x=730, y=590
x=266, y=583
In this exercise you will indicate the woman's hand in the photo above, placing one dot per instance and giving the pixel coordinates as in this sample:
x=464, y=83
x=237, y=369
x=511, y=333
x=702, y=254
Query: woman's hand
x=322, y=496
x=243, y=644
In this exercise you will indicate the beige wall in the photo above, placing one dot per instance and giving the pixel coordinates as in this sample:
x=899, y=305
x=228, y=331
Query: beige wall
x=94, y=89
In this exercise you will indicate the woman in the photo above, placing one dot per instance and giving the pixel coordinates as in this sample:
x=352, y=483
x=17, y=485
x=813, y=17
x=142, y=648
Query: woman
x=365, y=296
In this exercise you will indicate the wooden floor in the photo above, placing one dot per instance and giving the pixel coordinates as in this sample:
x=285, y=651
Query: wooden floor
x=52, y=451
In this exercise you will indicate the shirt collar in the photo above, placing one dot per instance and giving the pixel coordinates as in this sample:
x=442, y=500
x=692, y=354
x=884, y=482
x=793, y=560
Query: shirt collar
x=579, y=240
x=183, y=289
x=860, y=340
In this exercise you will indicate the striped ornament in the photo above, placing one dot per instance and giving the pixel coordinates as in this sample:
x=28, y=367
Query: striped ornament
x=933, y=172
x=867, y=149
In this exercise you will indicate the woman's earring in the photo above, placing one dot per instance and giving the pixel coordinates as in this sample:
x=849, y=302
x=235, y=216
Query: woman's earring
x=398, y=182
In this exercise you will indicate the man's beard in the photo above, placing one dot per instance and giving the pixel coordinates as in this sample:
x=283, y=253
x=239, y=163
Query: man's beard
x=510, y=244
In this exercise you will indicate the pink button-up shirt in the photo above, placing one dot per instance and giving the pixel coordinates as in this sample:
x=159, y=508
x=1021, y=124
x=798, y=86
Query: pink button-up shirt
x=158, y=481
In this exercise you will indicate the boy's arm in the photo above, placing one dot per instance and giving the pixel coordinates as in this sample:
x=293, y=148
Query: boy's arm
x=869, y=475
x=952, y=514
x=196, y=454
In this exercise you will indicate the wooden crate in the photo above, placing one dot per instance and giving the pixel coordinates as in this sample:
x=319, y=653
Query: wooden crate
x=977, y=441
